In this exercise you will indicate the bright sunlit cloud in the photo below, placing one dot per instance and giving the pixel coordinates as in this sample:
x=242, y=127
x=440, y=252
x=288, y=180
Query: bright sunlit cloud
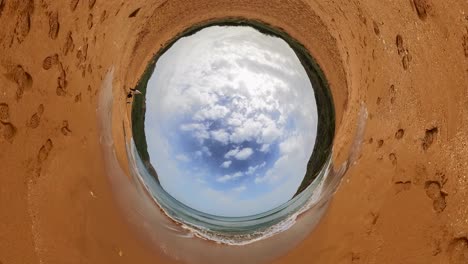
x=231, y=121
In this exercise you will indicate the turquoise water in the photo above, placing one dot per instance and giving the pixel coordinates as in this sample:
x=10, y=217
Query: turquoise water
x=314, y=190
x=229, y=230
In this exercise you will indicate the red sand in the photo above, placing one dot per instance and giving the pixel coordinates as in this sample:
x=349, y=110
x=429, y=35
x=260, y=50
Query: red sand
x=405, y=200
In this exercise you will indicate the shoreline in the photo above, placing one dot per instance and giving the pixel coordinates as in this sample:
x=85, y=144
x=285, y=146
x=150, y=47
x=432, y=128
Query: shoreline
x=326, y=121
x=61, y=203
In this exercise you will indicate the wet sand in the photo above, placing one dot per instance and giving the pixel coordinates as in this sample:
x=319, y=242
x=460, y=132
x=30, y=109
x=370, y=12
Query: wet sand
x=404, y=201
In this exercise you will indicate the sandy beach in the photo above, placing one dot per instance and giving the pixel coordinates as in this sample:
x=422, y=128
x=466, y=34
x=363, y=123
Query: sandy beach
x=404, y=200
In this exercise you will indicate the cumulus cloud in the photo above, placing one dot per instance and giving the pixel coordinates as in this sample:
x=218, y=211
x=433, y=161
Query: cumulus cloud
x=240, y=188
x=230, y=177
x=238, y=106
x=231, y=153
x=199, y=131
x=293, y=161
x=192, y=127
x=242, y=154
x=212, y=113
x=220, y=135
x=252, y=169
x=270, y=133
x=265, y=148
x=183, y=158
x=226, y=164
x=207, y=151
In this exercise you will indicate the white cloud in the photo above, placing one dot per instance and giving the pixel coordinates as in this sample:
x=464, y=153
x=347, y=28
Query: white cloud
x=240, y=189
x=265, y=148
x=192, y=127
x=244, y=154
x=236, y=119
x=270, y=133
x=291, y=144
x=252, y=169
x=207, y=151
x=201, y=135
x=197, y=130
x=182, y=158
x=212, y=113
x=220, y=135
x=248, y=130
x=226, y=164
x=230, y=87
x=293, y=161
x=230, y=177
x=231, y=153
x=278, y=172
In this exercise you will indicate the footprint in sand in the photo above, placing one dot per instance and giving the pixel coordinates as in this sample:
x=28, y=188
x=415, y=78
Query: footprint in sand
x=401, y=186
x=4, y=113
x=42, y=156
x=91, y=4
x=403, y=52
x=54, y=25
x=380, y=143
x=44, y=151
x=429, y=137
x=62, y=82
x=422, y=8
x=78, y=98
x=376, y=28
x=23, y=79
x=25, y=10
x=399, y=44
x=134, y=13
x=90, y=21
x=82, y=54
x=2, y=6
x=399, y=134
x=405, y=61
x=74, y=4
x=50, y=61
x=465, y=43
x=435, y=193
x=35, y=119
x=103, y=16
x=8, y=131
x=393, y=158
x=69, y=46
x=65, y=128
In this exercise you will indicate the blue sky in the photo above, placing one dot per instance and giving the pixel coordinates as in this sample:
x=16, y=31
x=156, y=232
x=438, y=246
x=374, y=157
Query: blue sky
x=231, y=121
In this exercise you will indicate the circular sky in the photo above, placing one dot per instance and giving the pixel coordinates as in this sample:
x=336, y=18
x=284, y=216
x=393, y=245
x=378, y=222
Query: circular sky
x=231, y=121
